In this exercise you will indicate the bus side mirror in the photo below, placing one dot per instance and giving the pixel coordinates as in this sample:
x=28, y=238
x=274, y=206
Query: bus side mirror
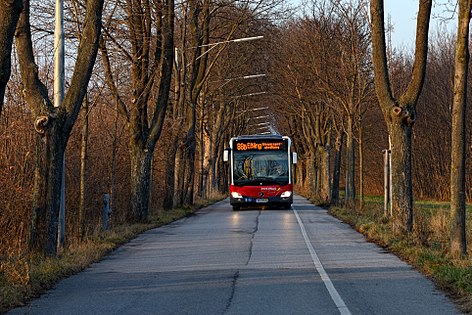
x=226, y=155
x=294, y=158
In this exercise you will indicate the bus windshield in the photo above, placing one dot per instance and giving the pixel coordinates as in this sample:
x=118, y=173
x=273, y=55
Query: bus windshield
x=260, y=167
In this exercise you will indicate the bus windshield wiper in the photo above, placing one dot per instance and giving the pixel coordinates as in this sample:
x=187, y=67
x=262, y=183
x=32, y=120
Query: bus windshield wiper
x=269, y=180
x=261, y=179
x=240, y=182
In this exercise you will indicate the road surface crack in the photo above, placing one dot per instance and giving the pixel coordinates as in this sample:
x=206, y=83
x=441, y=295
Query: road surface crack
x=253, y=234
x=236, y=274
x=233, y=289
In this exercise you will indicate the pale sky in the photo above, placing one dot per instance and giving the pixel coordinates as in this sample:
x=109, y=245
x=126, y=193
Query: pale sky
x=403, y=16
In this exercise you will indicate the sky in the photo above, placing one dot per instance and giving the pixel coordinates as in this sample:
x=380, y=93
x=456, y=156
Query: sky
x=403, y=16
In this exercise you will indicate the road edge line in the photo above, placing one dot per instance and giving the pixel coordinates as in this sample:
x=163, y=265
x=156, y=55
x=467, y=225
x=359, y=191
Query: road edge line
x=338, y=301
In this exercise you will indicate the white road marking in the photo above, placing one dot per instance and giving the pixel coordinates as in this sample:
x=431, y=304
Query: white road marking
x=323, y=274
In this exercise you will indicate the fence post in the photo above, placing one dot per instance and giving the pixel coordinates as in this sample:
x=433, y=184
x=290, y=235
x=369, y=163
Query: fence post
x=106, y=211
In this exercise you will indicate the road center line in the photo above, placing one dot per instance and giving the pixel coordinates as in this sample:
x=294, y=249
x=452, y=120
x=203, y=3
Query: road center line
x=319, y=267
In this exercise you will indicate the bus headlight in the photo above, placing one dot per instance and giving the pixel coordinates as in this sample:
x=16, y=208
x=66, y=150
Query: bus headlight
x=286, y=194
x=236, y=195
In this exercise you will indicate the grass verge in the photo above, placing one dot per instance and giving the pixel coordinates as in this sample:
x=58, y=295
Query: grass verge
x=426, y=248
x=23, y=277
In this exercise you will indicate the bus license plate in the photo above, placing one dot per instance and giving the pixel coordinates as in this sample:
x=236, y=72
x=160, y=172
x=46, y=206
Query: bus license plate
x=263, y=200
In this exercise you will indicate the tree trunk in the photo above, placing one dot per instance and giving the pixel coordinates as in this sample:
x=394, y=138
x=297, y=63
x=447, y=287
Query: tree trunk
x=189, y=178
x=324, y=169
x=199, y=32
x=39, y=216
x=179, y=177
x=83, y=170
x=151, y=31
x=311, y=174
x=402, y=192
x=361, y=168
x=400, y=114
x=458, y=244
x=47, y=193
x=140, y=182
x=113, y=163
x=316, y=177
x=301, y=172
x=202, y=150
x=350, y=190
x=9, y=16
x=337, y=168
x=215, y=165
x=208, y=158
x=53, y=125
x=169, y=182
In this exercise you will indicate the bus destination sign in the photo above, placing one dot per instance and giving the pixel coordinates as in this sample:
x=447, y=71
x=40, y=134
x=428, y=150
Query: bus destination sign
x=260, y=146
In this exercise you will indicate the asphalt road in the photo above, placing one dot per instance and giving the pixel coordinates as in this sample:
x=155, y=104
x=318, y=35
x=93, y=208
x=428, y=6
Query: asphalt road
x=299, y=261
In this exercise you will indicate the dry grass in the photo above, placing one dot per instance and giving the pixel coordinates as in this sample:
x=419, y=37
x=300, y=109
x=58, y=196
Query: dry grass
x=213, y=197
x=426, y=247
x=25, y=276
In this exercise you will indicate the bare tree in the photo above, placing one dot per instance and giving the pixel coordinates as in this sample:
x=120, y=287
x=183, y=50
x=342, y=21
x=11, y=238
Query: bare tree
x=431, y=176
x=330, y=75
x=349, y=82
x=199, y=33
x=84, y=157
x=9, y=16
x=400, y=113
x=297, y=76
x=53, y=125
x=151, y=33
x=202, y=22
x=458, y=244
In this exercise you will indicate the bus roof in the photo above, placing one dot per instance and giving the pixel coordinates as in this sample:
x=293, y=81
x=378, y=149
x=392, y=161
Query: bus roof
x=253, y=137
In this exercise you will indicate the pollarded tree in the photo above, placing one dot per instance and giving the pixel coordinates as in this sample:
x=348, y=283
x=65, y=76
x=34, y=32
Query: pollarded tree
x=9, y=16
x=400, y=112
x=54, y=125
x=149, y=54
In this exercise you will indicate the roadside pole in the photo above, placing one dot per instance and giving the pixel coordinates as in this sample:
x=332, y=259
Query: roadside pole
x=386, y=160
x=59, y=76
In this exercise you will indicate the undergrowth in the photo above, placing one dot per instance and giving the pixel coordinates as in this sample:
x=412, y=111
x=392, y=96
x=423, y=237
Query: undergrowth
x=24, y=276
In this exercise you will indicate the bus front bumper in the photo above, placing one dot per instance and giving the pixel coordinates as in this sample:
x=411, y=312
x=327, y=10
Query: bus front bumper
x=253, y=201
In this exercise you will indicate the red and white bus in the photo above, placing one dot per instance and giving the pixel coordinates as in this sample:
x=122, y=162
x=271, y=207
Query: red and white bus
x=261, y=171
